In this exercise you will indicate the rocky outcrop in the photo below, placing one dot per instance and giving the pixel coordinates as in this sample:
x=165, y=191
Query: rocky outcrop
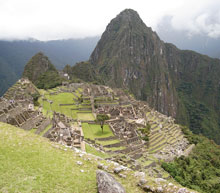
x=107, y=183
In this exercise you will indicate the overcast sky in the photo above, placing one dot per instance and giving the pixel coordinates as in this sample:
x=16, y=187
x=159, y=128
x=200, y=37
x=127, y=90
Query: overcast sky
x=61, y=19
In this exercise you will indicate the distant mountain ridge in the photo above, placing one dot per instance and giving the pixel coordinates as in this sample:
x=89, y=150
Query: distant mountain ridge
x=15, y=54
x=178, y=83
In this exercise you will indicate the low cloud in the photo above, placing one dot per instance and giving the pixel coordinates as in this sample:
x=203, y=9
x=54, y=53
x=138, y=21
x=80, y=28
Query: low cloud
x=56, y=19
x=198, y=17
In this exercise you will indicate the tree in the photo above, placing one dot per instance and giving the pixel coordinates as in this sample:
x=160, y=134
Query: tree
x=101, y=118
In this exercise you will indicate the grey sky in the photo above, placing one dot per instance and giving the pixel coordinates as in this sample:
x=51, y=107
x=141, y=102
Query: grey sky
x=60, y=19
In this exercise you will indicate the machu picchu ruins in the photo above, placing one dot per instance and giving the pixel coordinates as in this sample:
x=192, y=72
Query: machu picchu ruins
x=134, y=136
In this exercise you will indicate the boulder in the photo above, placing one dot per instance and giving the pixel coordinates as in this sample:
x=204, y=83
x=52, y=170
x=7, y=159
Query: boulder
x=142, y=182
x=182, y=190
x=119, y=169
x=160, y=189
x=107, y=183
x=79, y=162
x=122, y=175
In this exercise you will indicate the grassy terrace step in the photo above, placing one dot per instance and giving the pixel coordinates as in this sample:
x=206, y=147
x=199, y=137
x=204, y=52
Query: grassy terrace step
x=174, y=137
x=93, y=151
x=154, y=126
x=149, y=163
x=29, y=163
x=156, y=141
x=114, y=148
x=177, y=133
x=155, y=131
x=157, y=148
x=155, y=135
x=65, y=99
x=93, y=131
x=172, y=142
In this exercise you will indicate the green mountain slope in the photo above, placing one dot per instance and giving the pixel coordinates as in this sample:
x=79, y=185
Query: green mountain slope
x=201, y=170
x=182, y=84
x=42, y=72
x=7, y=76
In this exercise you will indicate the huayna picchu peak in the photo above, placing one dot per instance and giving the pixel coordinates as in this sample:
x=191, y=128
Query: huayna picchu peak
x=111, y=124
x=178, y=83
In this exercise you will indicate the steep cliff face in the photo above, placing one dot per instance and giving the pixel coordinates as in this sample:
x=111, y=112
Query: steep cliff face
x=41, y=72
x=182, y=84
x=130, y=55
x=197, y=83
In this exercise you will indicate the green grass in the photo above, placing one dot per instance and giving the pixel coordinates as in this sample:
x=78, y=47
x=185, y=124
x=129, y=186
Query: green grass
x=115, y=148
x=77, y=93
x=93, y=151
x=64, y=98
x=30, y=163
x=85, y=116
x=61, y=98
x=93, y=131
x=108, y=142
x=80, y=89
x=33, y=130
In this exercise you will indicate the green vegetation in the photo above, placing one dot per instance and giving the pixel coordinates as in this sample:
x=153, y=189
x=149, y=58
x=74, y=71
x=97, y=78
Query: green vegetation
x=61, y=98
x=41, y=72
x=145, y=131
x=101, y=118
x=93, y=131
x=86, y=116
x=198, y=114
x=201, y=170
x=29, y=163
x=82, y=71
x=48, y=80
x=93, y=151
x=58, y=102
x=35, y=98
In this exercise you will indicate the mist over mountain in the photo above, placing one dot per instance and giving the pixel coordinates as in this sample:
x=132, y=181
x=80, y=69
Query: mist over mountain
x=15, y=54
x=186, y=40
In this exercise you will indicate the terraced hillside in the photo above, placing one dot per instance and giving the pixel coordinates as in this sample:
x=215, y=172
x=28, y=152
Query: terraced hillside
x=134, y=135
x=66, y=102
x=17, y=108
x=166, y=139
x=23, y=89
x=121, y=139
